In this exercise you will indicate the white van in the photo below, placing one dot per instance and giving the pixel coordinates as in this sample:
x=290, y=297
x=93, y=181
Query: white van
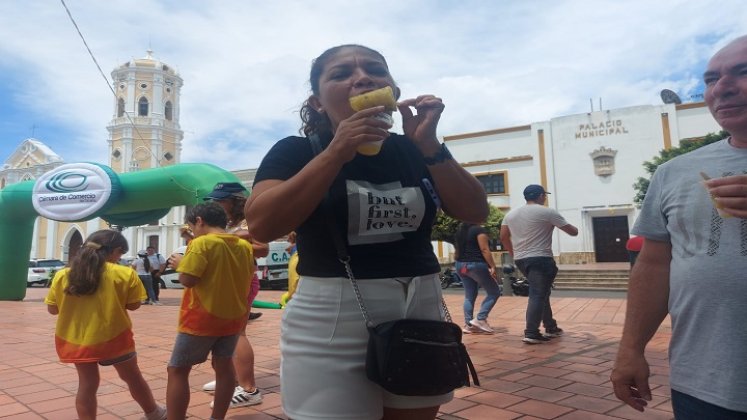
x=272, y=270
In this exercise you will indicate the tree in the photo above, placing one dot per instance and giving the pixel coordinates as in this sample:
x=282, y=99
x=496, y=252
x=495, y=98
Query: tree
x=641, y=184
x=446, y=226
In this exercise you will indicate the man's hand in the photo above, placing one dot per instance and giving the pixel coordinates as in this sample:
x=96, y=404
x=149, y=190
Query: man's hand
x=729, y=194
x=630, y=379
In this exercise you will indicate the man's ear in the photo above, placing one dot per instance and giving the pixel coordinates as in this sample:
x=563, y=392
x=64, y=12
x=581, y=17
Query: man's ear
x=397, y=92
x=316, y=104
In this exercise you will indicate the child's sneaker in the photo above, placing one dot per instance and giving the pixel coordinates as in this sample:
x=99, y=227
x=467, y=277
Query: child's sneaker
x=158, y=414
x=243, y=398
x=209, y=387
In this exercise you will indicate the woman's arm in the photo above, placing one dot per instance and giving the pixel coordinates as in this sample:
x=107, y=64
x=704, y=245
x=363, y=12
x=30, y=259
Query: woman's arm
x=484, y=244
x=277, y=207
x=259, y=249
x=462, y=196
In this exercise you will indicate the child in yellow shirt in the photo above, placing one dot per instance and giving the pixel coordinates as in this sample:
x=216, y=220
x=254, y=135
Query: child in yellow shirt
x=91, y=299
x=214, y=271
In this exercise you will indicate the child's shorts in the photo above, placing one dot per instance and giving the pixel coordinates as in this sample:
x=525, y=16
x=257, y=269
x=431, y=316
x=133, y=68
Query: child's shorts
x=190, y=350
x=120, y=359
x=324, y=339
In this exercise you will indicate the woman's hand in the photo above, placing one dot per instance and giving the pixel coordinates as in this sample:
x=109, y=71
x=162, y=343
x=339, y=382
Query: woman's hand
x=421, y=127
x=361, y=127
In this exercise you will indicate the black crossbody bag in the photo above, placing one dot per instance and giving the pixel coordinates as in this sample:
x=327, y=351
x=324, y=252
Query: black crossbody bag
x=413, y=357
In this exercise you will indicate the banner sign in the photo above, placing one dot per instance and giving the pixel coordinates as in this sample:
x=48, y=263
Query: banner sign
x=74, y=191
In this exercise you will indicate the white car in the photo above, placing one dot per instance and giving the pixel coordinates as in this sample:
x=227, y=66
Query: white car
x=41, y=271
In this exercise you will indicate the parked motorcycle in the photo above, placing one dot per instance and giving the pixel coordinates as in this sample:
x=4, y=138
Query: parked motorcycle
x=449, y=278
x=519, y=284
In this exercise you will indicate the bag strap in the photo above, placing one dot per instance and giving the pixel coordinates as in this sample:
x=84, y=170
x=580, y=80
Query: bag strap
x=342, y=251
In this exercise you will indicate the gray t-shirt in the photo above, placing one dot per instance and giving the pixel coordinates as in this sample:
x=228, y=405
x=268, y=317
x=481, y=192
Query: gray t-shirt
x=531, y=229
x=708, y=275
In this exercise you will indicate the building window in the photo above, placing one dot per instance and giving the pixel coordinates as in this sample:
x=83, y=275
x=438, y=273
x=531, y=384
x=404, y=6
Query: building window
x=168, y=111
x=493, y=183
x=120, y=107
x=142, y=107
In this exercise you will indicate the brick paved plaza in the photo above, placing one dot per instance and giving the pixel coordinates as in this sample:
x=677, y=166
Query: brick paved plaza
x=565, y=379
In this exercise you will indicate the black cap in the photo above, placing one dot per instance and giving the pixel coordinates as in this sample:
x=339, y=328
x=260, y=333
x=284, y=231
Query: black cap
x=225, y=190
x=533, y=191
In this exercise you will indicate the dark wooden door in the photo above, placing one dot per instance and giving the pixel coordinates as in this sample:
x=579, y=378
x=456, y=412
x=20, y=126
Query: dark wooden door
x=76, y=241
x=610, y=236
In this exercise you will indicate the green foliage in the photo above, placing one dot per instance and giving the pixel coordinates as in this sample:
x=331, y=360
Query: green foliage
x=445, y=227
x=641, y=184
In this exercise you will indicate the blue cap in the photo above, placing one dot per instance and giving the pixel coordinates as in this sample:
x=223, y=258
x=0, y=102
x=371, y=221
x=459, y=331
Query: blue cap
x=533, y=191
x=225, y=190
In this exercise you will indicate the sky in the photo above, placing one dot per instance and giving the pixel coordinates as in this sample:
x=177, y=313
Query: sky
x=245, y=63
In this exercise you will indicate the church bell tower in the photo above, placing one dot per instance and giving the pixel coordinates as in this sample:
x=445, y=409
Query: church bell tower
x=144, y=131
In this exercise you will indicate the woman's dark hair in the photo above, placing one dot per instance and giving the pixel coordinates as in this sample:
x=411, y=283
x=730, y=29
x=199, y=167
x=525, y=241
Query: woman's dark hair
x=312, y=121
x=87, y=267
x=211, y=213
x=460, y=238
x=236, y=215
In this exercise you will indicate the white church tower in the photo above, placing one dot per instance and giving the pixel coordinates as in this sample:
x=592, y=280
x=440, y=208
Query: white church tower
x=144, y=131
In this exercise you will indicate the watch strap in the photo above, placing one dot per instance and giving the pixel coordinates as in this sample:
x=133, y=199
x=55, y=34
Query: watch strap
x=441, y=156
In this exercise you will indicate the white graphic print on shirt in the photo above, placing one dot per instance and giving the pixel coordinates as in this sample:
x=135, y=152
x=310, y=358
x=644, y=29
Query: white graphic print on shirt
x=382, y=212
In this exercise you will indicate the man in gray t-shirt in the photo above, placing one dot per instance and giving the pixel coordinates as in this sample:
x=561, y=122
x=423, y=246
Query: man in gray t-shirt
x=526, y=233
x=693, y=264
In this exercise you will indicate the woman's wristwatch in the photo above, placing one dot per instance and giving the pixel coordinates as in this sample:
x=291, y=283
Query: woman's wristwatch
x=441, y=156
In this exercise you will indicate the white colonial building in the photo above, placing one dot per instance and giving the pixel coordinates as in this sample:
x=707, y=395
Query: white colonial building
x=588, y=162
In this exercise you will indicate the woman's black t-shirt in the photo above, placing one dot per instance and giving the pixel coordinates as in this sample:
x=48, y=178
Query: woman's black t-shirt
x=470, y=250
x=380, y=203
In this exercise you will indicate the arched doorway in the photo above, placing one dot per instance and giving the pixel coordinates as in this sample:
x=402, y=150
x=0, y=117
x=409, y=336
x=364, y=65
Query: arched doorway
x=76, y=241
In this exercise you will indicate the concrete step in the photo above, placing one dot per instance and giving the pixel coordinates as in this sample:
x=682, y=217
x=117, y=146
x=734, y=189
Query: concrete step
x=593, y=273
x=590, y=278
x=598, y=283
x=591, y=286
x=595, y=289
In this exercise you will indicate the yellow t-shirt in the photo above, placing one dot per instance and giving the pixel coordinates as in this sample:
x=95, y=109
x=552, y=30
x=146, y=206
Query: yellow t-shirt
x=216, y=306
x=95, y=327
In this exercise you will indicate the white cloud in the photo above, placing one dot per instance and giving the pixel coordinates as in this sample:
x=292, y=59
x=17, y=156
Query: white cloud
x=245, y=63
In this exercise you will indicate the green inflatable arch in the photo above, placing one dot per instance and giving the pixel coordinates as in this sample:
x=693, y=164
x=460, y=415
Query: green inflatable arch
x=135, y=198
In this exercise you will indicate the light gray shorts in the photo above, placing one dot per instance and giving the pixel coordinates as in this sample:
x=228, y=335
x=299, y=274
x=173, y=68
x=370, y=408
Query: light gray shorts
x=324, y=339
x=190, y=350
